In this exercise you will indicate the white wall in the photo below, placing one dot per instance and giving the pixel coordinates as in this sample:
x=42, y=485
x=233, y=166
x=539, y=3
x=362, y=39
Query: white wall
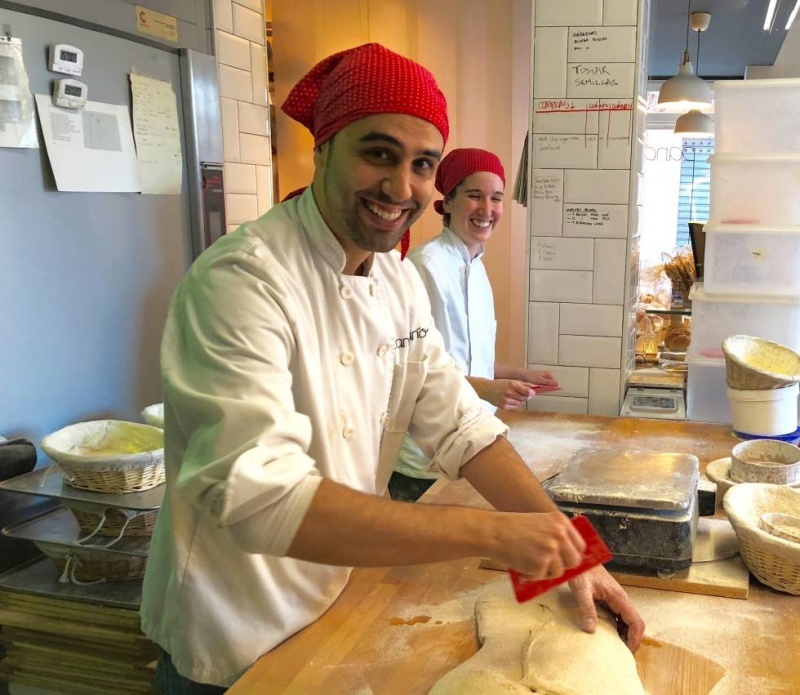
x=589, y=82
x=239, y=40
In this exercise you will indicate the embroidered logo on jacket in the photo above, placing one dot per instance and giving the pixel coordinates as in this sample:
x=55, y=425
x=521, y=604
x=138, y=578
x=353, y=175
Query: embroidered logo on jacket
x=412, y=335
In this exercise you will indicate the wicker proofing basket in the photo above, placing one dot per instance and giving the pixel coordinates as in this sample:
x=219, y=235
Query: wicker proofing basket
x=110, y=522
x=110, y=456
x=86, y=566
x=774, y=561
x=755, y=364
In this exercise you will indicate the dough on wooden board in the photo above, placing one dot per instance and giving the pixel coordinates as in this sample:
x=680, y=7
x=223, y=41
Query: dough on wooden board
x=536, y=647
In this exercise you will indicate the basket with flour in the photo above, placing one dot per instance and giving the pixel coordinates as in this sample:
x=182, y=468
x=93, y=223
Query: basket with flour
x=765, y=518
x=753, y=364
x=111, y=456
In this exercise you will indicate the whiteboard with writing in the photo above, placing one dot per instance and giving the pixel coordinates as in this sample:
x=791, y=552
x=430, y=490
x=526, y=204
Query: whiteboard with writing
x=547, y=203
x=567, y=151
x=602, y=44
x=565, y=116
x=562, y=253
x=616, y=129
x=603, y=80
x=595, y=220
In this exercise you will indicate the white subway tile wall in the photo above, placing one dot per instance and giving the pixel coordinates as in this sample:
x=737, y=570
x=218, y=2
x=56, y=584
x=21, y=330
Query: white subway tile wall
x=240, y=178
x=620, y=12
x=240, y=208
x=559, y=404
x=585, y=140
x=233, y=51
x=561, y=286
x=610, y=271
x=549, y=77
x=604, y=391
x=248, y=24
x=223, y=15
x=240, y=35
x=589, y=351
x=543, y=332
x=574, y=381
x=574, y=12
x=591, y=319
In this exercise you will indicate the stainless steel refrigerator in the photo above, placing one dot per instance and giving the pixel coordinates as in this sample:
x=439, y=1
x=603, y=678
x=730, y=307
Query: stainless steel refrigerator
x=85, y=278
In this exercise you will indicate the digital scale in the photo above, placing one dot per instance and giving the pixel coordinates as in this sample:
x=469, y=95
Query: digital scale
x=657, y=403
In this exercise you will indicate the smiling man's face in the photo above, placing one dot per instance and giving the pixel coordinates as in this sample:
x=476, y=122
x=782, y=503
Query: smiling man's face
x=374, y=178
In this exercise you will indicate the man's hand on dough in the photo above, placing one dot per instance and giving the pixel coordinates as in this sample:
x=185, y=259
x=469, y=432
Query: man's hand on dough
x=598, y=586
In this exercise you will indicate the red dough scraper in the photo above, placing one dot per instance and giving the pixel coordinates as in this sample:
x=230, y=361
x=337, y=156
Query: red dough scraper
x=596, y=553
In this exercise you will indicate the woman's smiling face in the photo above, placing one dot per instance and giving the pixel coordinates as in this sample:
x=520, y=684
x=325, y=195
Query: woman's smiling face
x=475, y=207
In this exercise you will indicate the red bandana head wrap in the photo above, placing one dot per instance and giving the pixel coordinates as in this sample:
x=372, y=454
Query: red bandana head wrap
x=361, y=82
x=459, y=164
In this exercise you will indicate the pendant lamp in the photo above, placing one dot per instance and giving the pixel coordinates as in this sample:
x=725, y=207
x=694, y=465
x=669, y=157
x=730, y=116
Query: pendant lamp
x=694, y=122
x=685, y=91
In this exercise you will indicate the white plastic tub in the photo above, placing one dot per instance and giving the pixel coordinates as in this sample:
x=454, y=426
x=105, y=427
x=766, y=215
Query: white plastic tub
x=750, y=259
x=706, y=391
x=757, y=116
x=764, y=412
x=716, y=317
x=751, y=190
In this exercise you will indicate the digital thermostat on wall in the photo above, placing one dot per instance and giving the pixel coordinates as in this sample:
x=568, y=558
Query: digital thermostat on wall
x=66, y=59
x=70, y=94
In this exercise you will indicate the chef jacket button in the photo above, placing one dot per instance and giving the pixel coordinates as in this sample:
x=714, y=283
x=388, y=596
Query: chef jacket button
x=345, y=292
x=382, y=350
x=346, y=358
x=383, y=418
x=347, y=432
x=372, y=290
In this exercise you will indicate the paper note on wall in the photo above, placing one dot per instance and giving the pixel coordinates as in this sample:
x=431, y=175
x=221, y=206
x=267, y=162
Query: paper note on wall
x=158, y=138
x=90, y=149
x=17, y=115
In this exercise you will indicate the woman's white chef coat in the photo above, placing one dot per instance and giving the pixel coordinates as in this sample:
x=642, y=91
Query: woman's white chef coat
x=462, y=305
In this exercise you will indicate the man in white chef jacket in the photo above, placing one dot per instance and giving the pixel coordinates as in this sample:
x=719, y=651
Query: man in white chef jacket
x=298, y=352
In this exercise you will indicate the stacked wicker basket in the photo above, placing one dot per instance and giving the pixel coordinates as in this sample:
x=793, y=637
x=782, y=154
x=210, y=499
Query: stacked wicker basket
x=107, y=459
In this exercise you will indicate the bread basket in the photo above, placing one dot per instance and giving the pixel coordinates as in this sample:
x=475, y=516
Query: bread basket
x=753, y=364
x=91, y=566
x=773, y=560
x=111, y=456
x=110, y=522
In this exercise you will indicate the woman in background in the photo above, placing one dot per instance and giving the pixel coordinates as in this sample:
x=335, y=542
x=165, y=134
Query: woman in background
x=472, y=182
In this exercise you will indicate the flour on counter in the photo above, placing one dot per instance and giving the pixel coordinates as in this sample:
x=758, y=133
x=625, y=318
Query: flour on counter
x=546, y=452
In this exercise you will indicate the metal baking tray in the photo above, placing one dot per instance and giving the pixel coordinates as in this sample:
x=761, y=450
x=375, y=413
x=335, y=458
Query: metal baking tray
x=59, y=527
x=49, y=482
x=631, y=479
x=39, y=577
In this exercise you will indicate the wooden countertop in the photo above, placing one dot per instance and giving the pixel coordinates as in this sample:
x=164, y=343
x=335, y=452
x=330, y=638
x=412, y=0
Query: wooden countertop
x=399, y=629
